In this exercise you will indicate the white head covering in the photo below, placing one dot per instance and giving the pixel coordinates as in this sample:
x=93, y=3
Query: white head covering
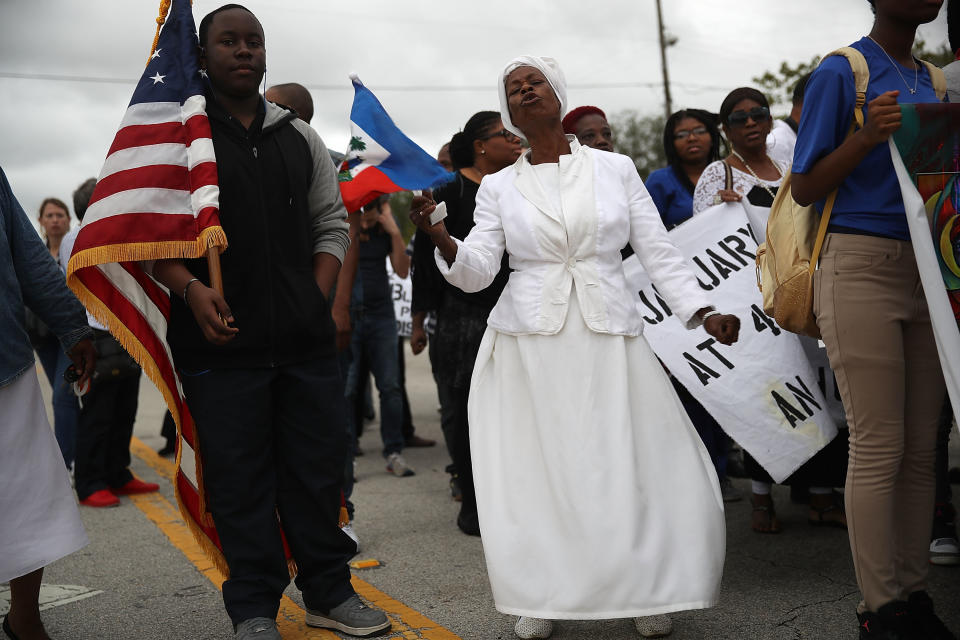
x=551, y=71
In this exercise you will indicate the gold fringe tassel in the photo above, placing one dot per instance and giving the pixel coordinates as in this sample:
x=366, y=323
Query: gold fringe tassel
x=141, y=251
x=164, y=12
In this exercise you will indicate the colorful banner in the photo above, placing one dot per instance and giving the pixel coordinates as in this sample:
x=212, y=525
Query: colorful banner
x=763, y=390
x=926, y=156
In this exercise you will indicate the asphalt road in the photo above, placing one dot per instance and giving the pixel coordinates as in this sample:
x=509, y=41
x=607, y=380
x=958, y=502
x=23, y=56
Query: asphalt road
x=140, y=579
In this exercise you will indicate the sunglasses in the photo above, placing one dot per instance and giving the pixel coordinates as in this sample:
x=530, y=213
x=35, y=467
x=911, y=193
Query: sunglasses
x=683, y=134
x=739, y=118
x=507, y=135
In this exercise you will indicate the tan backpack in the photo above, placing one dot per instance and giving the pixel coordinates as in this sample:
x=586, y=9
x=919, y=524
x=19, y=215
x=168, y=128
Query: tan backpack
x=795, y=234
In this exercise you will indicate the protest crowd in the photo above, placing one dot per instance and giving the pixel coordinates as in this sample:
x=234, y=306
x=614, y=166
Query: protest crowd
x=570, y=311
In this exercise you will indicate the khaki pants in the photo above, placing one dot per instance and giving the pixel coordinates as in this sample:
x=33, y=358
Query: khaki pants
x=873, y=316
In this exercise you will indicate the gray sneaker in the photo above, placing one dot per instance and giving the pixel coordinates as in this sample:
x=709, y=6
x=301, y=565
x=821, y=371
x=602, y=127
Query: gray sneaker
x=258, y=629
x=351, y=617
x=398, y=466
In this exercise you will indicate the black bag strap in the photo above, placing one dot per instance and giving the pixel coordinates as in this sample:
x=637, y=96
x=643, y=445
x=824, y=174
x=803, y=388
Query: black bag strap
x=728, y=176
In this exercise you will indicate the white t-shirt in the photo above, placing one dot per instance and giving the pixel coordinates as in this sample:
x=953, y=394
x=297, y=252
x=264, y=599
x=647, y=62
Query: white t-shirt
x=780, y=143
x=66, y=249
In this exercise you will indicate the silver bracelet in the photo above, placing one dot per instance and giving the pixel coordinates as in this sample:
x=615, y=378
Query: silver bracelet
x=712, y=312
x=186, y=287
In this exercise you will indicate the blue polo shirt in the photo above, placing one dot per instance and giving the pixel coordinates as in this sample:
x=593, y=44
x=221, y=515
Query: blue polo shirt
x=869, y=200
x=673, y=201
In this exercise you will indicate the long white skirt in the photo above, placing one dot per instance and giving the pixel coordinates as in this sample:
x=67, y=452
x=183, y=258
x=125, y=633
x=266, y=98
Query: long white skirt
x=39, y=520
x=596, y=497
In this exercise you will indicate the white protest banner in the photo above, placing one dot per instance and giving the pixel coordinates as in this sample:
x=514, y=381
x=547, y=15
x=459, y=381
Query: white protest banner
x=926, y=154
x=402, y=292
x=762, y=390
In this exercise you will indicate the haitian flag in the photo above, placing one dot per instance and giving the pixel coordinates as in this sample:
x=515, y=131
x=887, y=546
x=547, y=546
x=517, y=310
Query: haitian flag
x=926, y=156
x=381, y=159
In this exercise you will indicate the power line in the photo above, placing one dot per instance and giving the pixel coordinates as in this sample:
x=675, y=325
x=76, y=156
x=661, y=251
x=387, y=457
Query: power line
x=348, y=87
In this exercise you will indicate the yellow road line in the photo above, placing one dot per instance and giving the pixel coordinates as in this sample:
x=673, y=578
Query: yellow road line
x=407, y=623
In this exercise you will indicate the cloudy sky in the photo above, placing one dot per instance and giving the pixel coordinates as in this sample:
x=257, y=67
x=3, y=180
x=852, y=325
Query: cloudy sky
x=68, y=67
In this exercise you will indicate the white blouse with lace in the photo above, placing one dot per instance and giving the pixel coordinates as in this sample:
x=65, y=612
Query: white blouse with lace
x=713, y=179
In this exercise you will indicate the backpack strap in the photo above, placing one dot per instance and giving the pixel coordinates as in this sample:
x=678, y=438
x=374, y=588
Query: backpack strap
x=938, y=79
x=727, y=175
x=861, y=78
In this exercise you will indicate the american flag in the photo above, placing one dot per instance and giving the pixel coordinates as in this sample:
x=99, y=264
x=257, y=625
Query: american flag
x=156, y=197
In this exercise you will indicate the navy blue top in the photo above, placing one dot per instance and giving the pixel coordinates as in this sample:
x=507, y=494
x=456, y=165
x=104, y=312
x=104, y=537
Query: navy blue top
x=371, y=289
x=869, y=200
x=673, y=201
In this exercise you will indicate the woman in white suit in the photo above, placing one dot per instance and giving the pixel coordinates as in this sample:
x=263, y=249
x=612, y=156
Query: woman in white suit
x=596, y=498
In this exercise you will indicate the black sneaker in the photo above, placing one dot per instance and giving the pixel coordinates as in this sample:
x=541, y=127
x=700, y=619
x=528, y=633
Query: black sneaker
x=352, y=617
x=469, y=522
x=890, y=622
x=925, y=622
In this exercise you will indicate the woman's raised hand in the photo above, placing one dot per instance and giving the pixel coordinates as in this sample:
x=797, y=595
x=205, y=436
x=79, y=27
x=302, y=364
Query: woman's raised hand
x=420, y=209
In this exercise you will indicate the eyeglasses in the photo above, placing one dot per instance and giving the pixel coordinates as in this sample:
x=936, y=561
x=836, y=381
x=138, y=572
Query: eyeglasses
x=683, y=134
x=739, y=118
x=507, y=135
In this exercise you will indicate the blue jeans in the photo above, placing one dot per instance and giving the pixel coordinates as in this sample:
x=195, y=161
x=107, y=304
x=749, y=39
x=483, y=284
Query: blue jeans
x=374, y=339
x=66, y=410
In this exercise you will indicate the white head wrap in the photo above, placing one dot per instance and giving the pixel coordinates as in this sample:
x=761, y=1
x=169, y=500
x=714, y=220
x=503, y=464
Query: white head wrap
x=551, y=71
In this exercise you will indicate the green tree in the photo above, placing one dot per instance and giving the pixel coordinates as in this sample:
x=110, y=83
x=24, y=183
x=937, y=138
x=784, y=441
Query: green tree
x=940, y=56
x=778, y=85
x=640, y=137
x=400, y=206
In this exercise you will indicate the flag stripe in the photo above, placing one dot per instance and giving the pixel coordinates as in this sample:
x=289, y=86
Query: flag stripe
x=158, y=294
x=128, y=228
x=196, y=127
x=367, y=185
x=158, y=177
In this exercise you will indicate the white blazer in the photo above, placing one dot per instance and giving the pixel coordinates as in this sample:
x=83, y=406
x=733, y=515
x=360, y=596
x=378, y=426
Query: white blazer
x=605, y=205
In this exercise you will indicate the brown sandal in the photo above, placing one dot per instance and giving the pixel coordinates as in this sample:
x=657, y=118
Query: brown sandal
x=828, y=516
x=767, y=523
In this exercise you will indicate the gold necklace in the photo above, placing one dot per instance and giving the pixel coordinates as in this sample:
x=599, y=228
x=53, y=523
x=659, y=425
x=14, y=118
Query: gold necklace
x=916, y=68
x=755, y=176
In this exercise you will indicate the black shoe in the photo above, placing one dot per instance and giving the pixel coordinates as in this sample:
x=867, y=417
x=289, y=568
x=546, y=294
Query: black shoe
x=7, y=630
x=169, y=449
x=925, y=622
x=890, y=622
x=469, y=522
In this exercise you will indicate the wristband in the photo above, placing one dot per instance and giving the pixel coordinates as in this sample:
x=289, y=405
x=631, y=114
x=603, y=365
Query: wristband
x=712, y=312
x=186, y=288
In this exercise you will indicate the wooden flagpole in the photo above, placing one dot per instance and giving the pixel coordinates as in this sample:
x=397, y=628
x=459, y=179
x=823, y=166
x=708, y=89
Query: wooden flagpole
x=213, y=266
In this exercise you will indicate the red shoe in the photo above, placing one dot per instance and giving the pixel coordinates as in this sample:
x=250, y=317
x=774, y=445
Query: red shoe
x=135, y=485
x=101, y=498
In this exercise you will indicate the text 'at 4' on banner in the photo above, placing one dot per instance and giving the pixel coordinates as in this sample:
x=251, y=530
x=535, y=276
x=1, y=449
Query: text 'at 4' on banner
x=764, y=391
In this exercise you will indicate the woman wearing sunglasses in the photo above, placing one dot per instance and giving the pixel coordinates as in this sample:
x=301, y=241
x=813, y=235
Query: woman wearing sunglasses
x=483, y=147
x=754, y=175
x=572, y=418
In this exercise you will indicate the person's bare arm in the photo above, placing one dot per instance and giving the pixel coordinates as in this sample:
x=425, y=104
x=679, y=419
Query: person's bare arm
x=883, y=118
x=398, y=249
x=209, y=308
x=418, y=335
x=340, y=310
x=325, y=269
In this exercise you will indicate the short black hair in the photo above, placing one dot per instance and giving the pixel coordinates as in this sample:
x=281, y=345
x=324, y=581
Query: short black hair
x=82, y=195
x=737, y=95
x=800, y=88
x=873, y=7
x=461, y=145
x=204, y=28
x=709, y=121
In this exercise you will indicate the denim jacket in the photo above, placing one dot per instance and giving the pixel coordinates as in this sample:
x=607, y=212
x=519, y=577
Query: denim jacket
x=30, y=276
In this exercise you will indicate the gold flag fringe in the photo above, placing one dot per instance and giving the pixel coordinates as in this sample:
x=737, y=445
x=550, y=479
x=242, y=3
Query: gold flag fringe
x=142, y=251
x=164, y=12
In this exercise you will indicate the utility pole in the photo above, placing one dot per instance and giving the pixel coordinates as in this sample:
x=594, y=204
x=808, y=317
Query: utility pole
x=668, y=103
